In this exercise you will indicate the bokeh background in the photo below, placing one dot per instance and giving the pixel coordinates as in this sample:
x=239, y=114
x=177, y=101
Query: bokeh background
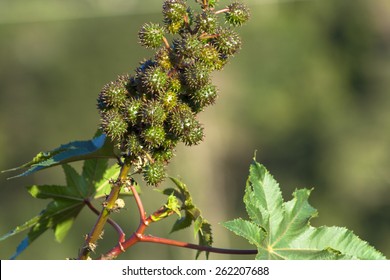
x=310, y=91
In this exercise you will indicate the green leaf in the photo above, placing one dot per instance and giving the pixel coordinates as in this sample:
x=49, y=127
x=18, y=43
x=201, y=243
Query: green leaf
x=98, y=147
x=192, y=214
x=282, y=231
x=67, y=201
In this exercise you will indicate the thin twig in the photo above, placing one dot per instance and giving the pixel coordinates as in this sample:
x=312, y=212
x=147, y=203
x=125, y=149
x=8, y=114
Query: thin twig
x=166, y=241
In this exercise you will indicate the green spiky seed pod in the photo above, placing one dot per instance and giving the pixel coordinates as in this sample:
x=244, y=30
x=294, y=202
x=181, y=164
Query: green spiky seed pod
x=154, y=173
x=181, y=120
x=154, y=80
x=194, y=134
x=153, y=136
x=206, y=22
x=187, y=47
x=210, y=57
x=237, y=15
x=163, y=155
x=175, y=84
x=168, y=99
x=175, y=13
x=143, y=66
x=163, y=59
x=113, y=124
x=151, y=35
x=196, y=75
x=132, y=110
x=227, y=42
x=152, y=113
x=203, y=97
x=133, y=145
x=113, y=94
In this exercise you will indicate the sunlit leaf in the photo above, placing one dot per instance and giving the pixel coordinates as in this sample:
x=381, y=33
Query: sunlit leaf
x=282, y=231
x=98, y=147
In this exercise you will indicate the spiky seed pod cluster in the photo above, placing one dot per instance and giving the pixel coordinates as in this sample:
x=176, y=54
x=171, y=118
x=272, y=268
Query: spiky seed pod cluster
x=148, y=113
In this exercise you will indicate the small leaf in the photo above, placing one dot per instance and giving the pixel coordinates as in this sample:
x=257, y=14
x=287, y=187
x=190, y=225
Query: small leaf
x=192, y=214
x=282, y=231
x=205, y=237
x=98, y=147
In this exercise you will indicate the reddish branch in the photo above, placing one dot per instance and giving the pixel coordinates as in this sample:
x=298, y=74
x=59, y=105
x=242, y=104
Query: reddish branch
x=138, y=236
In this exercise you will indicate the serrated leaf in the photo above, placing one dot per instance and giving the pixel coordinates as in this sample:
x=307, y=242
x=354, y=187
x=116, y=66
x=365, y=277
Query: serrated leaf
x=67, y=201
x=247, y=229
x=98, y=147
x=58, y=215
x=282, y=230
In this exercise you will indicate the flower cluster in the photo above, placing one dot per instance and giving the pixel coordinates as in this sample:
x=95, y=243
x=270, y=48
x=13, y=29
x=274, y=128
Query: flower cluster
x=148, y=113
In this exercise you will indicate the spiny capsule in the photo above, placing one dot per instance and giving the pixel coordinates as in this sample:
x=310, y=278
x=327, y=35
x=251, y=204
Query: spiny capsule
x=154, y=173
x=175, y=13
x=206, y=22
x=187, y=47
x=181, y=120
x=227, y=42
x=152, y=113
x=202, y=97
x=151, y=35
x=132, y=110
x=194, y=135
x=114, y=124
x=153, y=136
x=133, y=145
x=113, y=94
x=154, y=80
x=196, y=75
x=237, y=15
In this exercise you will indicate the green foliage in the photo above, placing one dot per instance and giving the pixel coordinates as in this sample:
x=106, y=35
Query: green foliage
x=66, y=201
x=98, y=147
x=192, y=214
x=282, y=231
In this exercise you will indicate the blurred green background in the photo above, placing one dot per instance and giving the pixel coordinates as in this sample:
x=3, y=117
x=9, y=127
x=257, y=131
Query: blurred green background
x=309, y=91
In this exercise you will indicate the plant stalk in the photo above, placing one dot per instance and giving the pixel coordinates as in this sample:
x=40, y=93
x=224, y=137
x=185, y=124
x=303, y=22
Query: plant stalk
x=108, y=206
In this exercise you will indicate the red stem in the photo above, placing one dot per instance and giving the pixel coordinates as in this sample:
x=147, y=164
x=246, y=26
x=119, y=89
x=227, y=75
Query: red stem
x=160, y=240
x=138, y=236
